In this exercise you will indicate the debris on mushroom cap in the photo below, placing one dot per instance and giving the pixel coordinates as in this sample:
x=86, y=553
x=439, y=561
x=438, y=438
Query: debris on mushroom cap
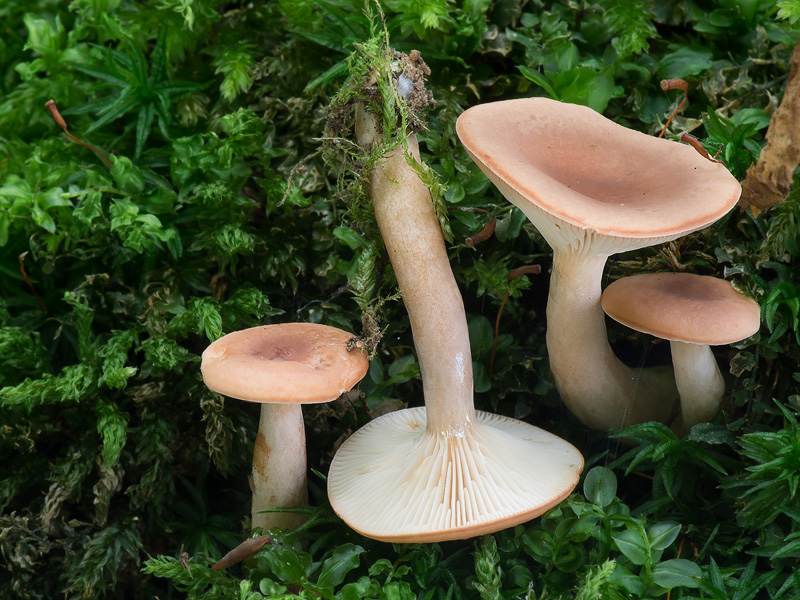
x=576, y=165
x=285, y=363
x=682, y=307
x=395, y=482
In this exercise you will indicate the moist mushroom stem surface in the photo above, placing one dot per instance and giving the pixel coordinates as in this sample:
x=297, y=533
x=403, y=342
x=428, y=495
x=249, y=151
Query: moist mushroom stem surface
x=279, y=466
x=596, y=386
x=699, y=381
x=410, y=230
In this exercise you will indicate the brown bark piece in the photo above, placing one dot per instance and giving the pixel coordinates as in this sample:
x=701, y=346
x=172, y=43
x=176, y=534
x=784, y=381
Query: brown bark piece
x=769, y=181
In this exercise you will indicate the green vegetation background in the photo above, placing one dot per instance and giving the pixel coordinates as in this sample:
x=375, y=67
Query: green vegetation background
x=220, y=213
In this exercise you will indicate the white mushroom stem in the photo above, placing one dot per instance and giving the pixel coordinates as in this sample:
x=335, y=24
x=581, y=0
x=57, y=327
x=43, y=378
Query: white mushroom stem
x=595, y=385
x=699, y=382
x=279, y=466
x=410, y=230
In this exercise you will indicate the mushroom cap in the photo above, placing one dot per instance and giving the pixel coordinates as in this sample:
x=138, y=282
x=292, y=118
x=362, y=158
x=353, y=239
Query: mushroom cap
x=285, y=363
x=573, y=164
x=392, y=480
x=682, y=307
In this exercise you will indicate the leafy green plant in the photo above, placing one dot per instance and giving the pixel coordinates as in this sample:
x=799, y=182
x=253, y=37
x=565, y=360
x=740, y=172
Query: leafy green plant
x=770, y=488
x=219, y=213
x=147, y=90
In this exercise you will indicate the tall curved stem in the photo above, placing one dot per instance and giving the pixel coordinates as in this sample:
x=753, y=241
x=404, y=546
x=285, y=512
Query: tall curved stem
x=410, y=230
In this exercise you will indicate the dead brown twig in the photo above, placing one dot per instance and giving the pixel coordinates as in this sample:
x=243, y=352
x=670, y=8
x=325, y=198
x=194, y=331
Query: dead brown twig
x=28, y=281
x=244, y=550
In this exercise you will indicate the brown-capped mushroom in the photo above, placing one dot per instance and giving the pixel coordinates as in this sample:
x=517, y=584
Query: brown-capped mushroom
x=594, y=188
x=282, y=367
x=693, y=312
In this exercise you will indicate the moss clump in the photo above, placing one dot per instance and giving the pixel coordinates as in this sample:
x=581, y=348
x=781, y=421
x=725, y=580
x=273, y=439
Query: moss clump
x=391, y=85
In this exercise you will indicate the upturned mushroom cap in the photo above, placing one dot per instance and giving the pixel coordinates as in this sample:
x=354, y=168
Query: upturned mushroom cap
x=394, y=481
x=285, y=363
x=682, y=307
x=581, y=169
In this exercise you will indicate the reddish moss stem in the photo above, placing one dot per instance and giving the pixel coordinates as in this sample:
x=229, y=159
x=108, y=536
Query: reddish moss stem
x=485, y=233
x=674, y=84
x=28, y=281
x=695, y=143
x=51, y=106
x=524, y=270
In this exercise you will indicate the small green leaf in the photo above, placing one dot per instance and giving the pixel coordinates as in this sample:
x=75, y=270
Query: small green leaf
x=403, y=369
x=287, y=565
x=677, y=572
x=570, y=559
x=662, y=535
x=481, y=336
x=600, y=486
x=351, y=238
x=631, y=583
x=344, y=559
x=480, y=378
x=539, y=79
x=143, y=125
x=538, y=544
x=632, y=545
x=684, y=62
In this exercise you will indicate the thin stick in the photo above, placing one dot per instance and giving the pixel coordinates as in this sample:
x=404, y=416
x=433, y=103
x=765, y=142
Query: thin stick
x=534, y=269
x=244, y=550
x=300, y=168
x=680, y=547
x=51, y=106
x=28, y=281
x=674, y=84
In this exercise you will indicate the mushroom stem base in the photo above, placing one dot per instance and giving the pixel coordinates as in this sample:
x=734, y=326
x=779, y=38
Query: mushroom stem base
x=701, y=385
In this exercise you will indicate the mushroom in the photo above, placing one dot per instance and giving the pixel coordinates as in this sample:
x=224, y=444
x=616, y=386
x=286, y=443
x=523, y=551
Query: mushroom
x=594, y=188
x=282, y=367
x=692, y=312
x=445, y=471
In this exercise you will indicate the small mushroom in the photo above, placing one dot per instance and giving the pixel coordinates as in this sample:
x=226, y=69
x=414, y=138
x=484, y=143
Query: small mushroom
x=692, y=312
x=282, y=367
x=594, y=188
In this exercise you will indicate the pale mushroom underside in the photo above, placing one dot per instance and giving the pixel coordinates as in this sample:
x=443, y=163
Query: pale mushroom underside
x=394, y=481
